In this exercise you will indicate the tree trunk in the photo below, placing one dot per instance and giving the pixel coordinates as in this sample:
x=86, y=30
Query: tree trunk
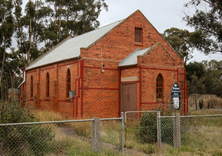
x=59, y=24
x=67, y=18
x=34, y=35
x=2, y=77
x=30, y=35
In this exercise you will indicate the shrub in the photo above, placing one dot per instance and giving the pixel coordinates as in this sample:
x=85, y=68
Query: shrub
x=214, y=103
x=147, y=130
x=23, y=139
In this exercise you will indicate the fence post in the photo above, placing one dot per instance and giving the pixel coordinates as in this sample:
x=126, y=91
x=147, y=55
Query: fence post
x=176, y=131
x=96, y=135
x=122, y=132
x=159, y=130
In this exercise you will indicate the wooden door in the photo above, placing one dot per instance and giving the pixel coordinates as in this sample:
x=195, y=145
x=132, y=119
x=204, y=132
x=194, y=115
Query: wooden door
x=128, y=97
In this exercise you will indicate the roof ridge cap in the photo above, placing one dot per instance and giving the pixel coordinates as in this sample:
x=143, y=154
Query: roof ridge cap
x=97, y=28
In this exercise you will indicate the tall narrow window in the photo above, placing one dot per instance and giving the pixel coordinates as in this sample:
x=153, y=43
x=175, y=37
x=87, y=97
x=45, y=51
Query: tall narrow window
x=68, y=82
x=138, y=35
x=31, y=87
x=47, y=85
x=159, y=87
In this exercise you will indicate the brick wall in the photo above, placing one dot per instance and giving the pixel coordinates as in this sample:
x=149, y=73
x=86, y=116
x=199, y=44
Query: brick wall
x=120, y=42
x=97, y=92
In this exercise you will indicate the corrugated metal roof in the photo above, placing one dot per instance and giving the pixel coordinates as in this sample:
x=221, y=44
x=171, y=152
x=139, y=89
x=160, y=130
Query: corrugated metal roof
x=132, y=58
x=70, y=48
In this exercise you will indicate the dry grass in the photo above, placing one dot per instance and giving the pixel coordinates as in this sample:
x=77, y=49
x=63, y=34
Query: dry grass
x=209, y=101
x=48, y=116
x=73, y=144
x=82, y=128
x=214, y=103
x=110, y=131
x=193, y=111
x=203, y=136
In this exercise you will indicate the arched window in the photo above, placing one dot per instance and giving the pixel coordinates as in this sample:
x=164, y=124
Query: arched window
x=47, y=85
x=31, y=87
x=159, y=87
x=68, y=83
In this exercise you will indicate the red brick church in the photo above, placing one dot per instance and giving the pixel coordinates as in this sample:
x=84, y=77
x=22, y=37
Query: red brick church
x=124, y=66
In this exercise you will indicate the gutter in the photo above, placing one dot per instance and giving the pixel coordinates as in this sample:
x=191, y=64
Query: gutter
x=23, y=80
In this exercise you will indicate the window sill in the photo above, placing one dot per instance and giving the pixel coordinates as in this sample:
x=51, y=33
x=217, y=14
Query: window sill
x=47, y=98
x=138, y=43
x=31, y=99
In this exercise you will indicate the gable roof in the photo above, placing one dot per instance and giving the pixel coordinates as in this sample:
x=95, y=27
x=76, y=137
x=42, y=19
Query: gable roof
x=132, y=58
x=70, y=47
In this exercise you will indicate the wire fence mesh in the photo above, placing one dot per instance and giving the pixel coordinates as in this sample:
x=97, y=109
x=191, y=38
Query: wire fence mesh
x=76, y=137
x=202, y=133
x=111, y=135
x=141, y=131
x=166, y=130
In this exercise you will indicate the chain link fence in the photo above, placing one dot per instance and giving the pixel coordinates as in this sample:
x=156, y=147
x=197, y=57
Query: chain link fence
x=202, y=133
x=144, y=132
x=165, y=124
x=74, y=137
x=141, y=132
x=199, y=133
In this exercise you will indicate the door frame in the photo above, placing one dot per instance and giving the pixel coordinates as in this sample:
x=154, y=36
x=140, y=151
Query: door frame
x=121, y=84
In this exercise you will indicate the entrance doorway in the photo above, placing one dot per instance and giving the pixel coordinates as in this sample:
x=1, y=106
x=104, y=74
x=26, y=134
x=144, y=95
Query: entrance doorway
x=128, y=97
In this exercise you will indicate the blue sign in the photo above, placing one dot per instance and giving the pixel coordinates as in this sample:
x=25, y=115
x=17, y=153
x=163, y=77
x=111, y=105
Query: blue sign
x=175, y=97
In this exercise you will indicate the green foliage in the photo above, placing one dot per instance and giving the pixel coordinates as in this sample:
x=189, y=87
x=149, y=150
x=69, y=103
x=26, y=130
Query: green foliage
x=38, y=28
x=195, y=68
x=195, y=75
x=180, y=40
x=72, y=18
x=204, y=77
x=23, y=139
x=6, y=32
x=147, y=130
x=207, y=37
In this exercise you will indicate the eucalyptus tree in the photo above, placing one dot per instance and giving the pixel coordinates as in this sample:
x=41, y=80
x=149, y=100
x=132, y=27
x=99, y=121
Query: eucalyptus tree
x=20, y=36
x=74, y=17
x=6, y=32
x=41, y=22
x=28, y=19
x=213, y=77
x=207, y=24
x=179, y=39
x=35, y=20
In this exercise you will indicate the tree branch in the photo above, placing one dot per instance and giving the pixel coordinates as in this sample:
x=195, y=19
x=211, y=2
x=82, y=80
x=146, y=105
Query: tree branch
x=213, y=4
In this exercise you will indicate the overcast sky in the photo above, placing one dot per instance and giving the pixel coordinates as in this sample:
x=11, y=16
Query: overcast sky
x=163, y=14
